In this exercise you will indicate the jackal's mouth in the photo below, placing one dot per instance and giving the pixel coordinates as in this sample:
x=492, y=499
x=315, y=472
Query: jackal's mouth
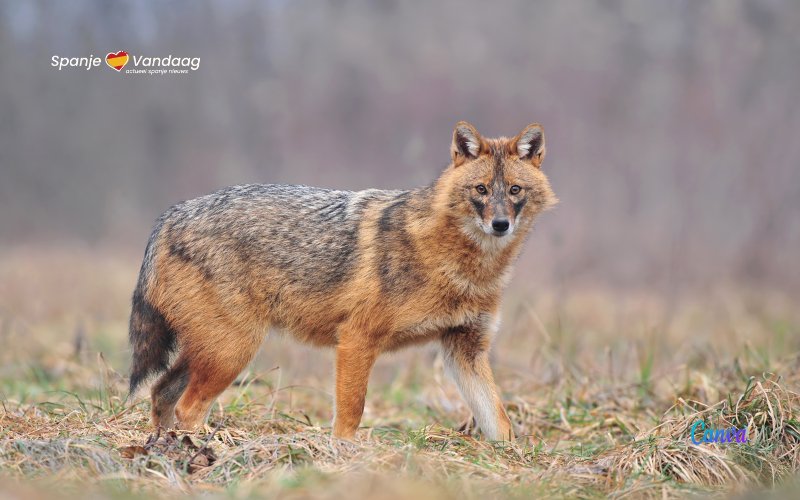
x=485, y=235
x=500, y=234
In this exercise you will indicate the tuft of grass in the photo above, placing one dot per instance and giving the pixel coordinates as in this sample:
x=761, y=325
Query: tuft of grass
x=768, y=410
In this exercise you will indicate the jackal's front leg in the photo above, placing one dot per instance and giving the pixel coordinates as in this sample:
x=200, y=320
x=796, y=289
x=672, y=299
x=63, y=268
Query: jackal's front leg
x=466, y=355
x=353, y=365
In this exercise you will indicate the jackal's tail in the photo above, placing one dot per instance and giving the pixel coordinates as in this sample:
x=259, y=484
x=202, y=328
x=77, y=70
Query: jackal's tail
x=152, y=339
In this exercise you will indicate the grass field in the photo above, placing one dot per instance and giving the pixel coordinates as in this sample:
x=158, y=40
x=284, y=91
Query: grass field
x=603, y=387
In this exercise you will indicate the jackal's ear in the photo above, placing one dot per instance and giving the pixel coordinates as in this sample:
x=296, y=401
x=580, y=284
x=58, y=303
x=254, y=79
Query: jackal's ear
x=529, y=144
x=466, y=142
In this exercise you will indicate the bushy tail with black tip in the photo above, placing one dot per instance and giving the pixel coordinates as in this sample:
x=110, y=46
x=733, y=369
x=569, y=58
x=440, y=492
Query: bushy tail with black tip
x=151, y=337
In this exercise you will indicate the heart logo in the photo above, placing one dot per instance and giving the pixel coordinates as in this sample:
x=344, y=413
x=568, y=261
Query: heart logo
x=118, y=60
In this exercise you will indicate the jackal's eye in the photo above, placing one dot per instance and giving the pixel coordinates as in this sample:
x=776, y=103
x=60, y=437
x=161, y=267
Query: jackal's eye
x=515, y=189
x=481, y=189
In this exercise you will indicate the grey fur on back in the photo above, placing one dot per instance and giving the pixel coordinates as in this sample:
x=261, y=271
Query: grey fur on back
x=309, y=232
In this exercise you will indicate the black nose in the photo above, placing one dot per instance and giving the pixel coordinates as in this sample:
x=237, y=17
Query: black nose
x=500, y=225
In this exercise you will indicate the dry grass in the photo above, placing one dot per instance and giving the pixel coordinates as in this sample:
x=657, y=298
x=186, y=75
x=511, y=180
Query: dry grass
x=603, y=387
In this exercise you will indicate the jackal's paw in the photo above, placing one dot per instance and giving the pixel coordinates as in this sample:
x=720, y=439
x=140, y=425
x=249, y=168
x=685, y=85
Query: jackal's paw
x=187, y=422
x=163, y=421
x=468, y=426
x=346, y=432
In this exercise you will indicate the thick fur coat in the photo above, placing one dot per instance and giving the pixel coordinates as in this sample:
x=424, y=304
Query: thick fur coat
x=362, y=272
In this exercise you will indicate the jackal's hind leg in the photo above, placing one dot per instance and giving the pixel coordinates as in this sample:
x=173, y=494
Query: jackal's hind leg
x=212, y=370
x=166, y=392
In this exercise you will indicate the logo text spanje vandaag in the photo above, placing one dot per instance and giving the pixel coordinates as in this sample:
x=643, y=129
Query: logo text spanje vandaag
x=709, y=435
x=141, y=64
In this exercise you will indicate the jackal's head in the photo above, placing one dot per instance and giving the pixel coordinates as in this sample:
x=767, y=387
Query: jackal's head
x=496, y=186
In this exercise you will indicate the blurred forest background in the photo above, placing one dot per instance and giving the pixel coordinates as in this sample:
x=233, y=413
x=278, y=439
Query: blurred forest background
x=672, y=127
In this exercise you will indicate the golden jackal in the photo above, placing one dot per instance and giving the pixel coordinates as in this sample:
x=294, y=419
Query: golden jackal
x=364, y=272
